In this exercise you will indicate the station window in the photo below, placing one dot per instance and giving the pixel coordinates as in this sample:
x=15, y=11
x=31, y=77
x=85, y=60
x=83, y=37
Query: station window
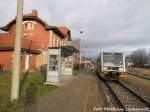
x=28, y=26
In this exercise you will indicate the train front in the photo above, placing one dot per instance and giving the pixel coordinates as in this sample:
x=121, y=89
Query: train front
x=113, y=65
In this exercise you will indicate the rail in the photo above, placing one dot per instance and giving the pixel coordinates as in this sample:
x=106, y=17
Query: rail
x=138, y=75
x=127, y=98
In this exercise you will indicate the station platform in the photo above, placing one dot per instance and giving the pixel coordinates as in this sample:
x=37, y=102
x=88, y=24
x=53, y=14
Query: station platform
x=79, y=93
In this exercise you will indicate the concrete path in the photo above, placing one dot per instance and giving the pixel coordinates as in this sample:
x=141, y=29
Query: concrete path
x=79, y=94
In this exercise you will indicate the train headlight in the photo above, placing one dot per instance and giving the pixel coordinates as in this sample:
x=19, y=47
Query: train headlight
x=120, y=69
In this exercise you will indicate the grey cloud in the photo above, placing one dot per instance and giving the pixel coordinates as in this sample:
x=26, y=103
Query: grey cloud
x=107, y=24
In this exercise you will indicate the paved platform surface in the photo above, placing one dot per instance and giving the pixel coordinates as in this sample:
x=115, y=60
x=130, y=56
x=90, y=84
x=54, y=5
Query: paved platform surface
x=78, y=94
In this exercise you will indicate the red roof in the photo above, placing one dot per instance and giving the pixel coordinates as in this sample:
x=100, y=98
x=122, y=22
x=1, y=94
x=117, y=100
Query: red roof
x=33, y=16
x=64, y=30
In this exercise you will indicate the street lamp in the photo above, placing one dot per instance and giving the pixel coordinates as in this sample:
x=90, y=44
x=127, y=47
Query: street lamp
x=81, y=32
x=17, y=52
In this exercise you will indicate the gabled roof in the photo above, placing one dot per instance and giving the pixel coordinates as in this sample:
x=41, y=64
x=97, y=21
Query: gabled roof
x=56, y=30
x=34, y=17
x=25, y=18
x=65, y=31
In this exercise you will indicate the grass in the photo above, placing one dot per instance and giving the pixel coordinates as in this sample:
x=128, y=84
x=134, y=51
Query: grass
x=138, y=83
x=144, y=71
x=31, y=88
x=76, y=72
x=141, y=71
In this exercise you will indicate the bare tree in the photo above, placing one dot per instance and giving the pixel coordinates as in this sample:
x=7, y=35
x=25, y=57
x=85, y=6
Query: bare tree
x=148, y=57
x=139, y=57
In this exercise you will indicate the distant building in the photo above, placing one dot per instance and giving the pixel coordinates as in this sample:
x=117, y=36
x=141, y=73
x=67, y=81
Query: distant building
x=37, y=37
x=77, y=55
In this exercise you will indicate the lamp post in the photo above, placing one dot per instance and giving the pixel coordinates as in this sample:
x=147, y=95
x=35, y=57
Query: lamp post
x=17, y=52
x=81, y=32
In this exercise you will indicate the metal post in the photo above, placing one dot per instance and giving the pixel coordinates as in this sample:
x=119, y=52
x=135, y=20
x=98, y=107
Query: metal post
x=81, y=32
x=17, y=52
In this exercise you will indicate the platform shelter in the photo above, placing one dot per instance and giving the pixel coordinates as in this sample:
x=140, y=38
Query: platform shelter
x=60, y=62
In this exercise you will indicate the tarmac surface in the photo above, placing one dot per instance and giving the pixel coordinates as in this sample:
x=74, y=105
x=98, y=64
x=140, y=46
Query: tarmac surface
x=79, y=93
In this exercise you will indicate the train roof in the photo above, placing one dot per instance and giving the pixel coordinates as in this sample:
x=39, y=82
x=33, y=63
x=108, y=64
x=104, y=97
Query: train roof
x=112, y=52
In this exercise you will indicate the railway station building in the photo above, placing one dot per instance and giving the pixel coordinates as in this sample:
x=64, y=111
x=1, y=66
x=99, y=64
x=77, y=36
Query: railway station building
x=37, y=38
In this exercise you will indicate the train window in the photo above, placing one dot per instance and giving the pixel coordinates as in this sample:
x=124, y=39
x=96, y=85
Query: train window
x=112, y=59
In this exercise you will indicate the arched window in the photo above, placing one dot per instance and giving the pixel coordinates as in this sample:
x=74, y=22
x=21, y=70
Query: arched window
x=28, y=26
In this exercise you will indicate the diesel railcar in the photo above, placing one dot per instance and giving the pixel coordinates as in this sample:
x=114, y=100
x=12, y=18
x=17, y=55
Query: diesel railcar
x=111, y=65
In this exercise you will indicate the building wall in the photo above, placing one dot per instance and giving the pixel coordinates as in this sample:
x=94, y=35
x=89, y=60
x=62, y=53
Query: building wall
x=22, y=61
x=55, y=40
x=6, y=59
x=41, y=59
x=39, y=36
x=33, y=62
x=35, y=33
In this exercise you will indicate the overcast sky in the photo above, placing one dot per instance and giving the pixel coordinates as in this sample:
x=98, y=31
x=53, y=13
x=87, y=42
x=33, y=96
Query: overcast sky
x=118, y=25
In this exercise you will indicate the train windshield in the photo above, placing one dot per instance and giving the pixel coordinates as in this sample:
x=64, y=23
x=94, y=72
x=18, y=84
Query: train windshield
x=112, y=59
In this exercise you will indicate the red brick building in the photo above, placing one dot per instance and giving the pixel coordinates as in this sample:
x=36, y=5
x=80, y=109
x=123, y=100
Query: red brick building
x=37, y=37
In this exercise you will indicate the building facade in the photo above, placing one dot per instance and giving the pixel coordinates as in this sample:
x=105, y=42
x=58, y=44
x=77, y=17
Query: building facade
x=37, y=37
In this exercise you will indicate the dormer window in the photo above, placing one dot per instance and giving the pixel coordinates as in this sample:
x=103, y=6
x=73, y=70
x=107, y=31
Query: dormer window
x=28, y=26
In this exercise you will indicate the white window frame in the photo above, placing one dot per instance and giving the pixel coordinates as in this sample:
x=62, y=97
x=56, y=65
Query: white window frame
x=30, y=25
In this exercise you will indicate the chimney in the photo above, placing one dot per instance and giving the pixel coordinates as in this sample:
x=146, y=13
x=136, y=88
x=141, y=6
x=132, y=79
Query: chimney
x=34, y=12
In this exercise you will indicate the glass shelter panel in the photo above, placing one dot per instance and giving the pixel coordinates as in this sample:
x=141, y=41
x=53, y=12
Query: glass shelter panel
x=53, y=62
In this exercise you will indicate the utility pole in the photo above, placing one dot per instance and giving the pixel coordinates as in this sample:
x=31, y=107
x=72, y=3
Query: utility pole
x=17, y=52
x=81, y=32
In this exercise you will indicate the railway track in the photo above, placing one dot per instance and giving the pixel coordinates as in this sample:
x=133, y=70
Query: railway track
x=128, y=100
x=137, y=75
